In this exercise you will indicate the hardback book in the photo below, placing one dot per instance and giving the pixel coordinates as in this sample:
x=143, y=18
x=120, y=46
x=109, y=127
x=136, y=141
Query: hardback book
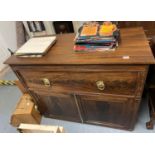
x=36, y=46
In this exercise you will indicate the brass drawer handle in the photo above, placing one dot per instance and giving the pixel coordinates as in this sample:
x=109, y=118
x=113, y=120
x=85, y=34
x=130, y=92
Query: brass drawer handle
x=46, y=82
x=100, y=85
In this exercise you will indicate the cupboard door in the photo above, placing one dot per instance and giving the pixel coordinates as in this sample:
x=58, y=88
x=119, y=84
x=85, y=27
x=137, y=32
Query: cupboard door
x=107, y=110
x=61, y=106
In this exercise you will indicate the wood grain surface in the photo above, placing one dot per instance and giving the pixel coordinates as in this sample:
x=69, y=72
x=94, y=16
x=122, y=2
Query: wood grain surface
x=133, y=45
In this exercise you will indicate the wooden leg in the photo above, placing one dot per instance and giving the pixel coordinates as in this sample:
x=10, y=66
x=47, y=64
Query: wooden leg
x=151, y=106
x=149, y=125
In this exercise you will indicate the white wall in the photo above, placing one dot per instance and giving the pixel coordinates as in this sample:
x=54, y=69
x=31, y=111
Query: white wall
x=8, y=33
x=7, y=40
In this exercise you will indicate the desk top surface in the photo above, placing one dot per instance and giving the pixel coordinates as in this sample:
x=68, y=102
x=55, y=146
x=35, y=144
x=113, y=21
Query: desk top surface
x=133, y=49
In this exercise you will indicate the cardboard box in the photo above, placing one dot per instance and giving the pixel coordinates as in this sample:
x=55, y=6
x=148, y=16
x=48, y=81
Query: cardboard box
x=25, y=112
x=33, y=128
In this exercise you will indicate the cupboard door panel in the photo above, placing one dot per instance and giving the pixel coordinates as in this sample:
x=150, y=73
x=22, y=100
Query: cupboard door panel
x=108, y=110
x=61, y=106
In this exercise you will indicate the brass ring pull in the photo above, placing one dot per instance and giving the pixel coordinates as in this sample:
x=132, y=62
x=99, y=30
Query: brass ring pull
x=46, y=82
x=100, y=85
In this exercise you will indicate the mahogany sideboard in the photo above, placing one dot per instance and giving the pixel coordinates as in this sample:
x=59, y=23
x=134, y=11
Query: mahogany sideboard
x=101, y=88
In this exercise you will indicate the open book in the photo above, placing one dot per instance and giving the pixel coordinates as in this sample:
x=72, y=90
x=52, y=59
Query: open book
x=36, y=46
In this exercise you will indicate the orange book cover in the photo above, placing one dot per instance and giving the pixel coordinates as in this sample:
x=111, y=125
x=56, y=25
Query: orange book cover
x=107, y=29
x=89, y=30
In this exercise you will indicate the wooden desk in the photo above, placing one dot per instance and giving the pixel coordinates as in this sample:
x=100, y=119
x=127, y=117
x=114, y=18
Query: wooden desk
x=102, y=88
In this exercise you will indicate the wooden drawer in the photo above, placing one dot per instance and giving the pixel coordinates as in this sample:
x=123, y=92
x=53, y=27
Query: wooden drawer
x=109, y=82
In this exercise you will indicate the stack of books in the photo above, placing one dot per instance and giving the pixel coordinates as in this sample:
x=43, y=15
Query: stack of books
x=97, y=36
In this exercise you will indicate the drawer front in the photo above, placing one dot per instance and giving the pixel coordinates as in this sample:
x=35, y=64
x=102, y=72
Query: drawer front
x=108, y=82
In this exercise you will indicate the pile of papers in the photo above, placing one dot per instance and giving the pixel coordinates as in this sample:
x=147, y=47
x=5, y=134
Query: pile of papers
x=95, y=36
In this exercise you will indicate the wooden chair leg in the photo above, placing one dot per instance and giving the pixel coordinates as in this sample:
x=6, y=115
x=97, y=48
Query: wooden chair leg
x=151, y=106
x=149, y=125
